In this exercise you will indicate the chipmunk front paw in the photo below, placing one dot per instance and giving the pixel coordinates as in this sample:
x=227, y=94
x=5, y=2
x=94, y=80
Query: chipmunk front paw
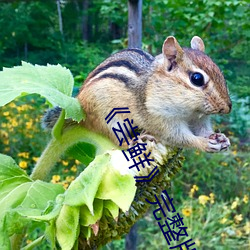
x=217, y=142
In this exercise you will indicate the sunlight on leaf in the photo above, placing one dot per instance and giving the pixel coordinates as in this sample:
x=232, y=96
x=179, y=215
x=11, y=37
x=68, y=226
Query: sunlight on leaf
x=53, y=82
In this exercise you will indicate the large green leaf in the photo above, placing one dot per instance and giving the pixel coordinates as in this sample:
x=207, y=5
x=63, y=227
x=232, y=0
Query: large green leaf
x=118, y=188
x=86, y=218
x=50, y=234
x=9, y=168
x=17, y=189
x=83, y=152
x=6, y=186
x=10, y=201
x=83, y=189
x=14, y=198
x=101, y=180
x=53, y=82
x=14, y=223
x=67, y=226
x=50, y=213
x=111, y=207
x=21, y=199
x=39, y=194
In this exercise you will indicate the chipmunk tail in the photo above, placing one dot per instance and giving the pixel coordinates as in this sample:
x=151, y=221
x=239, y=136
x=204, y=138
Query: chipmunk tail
x=50, y=118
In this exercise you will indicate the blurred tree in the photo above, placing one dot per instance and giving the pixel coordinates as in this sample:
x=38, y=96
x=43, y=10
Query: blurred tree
x=86, y=21
x=134, y=23
x=58, y=2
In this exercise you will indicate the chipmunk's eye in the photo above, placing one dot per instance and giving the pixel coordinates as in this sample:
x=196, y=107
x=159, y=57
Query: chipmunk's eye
x=197, y=79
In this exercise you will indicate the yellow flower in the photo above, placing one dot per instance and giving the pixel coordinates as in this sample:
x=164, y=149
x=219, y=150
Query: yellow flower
x=12, y=105
x=23, y=107
x=14, y=123
x=247, y=228
x=73, y=168
x=245, y=199
x=4, y=134
x=192, y=190
x=23, y=164
x=70, y=178
x=224, y=164
x=35, y=159
x=6, y=141
x=203, y=199
x=223, y=235
x=234, y=152
x=55, y=178
x=65, y=163
x=238, y=233
x=19, y=108
x=238, y=218
x=197, y=242
x=6, y=149
x=187, y=211
x=77, y=162
x=6, y=113
x=24, y=155
x=65, y=185
x=211, y=195
x=238, y=159
x=29, y=124
x=223, y=220
x=197, y=152
x=235, y=203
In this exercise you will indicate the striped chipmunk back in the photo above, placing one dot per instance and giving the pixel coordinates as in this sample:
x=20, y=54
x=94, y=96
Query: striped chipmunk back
x=119, y=81
x=121, y=65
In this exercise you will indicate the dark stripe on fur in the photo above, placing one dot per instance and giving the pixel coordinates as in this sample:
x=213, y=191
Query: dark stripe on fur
x=142, y=53
x=118, y=77
x=118, y=63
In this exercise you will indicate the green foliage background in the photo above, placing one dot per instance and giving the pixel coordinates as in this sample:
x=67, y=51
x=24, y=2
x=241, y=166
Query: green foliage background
x=30, y=32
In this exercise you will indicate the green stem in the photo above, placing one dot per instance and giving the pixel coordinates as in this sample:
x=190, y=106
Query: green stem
x=57, y=147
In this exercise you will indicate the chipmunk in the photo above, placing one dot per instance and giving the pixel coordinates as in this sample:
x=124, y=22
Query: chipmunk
x=170, y=96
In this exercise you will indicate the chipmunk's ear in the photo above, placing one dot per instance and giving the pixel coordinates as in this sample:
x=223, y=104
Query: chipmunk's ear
x=171, y=49
x=197, y=43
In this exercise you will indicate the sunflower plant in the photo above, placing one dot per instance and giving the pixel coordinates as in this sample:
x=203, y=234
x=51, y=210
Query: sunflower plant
x=97, y=206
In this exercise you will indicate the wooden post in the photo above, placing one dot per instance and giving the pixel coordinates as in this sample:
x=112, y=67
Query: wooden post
x=134, y=23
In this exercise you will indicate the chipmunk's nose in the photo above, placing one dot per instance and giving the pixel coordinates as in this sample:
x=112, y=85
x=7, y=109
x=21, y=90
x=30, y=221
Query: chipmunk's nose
x=226, y=109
